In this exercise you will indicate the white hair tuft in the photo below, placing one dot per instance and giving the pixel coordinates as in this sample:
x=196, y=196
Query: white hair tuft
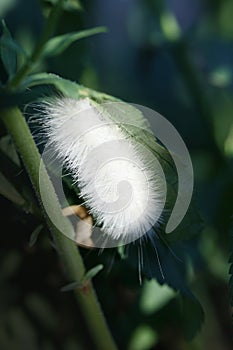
x=120, y=180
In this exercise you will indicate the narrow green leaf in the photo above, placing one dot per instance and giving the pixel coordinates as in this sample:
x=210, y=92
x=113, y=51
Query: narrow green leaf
x=34, y=235
x=66, y=87
x=8, y=52
x=8, y=191
x=71, y=286
x=92, y=272
x=60, y=43
x=89, y=275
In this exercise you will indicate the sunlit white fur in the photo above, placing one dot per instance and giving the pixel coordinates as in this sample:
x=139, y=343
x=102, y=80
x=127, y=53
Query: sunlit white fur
x=118, y=179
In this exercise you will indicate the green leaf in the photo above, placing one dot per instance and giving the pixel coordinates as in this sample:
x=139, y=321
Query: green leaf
x=165, y=262
x=35, y=234
x=88, y=276
x=131, y=120
x=66, y=87
x=71, y=286
x=92, y=272
x=60, y=43
x=8, y=191
x=154, y=296
x=8, y=52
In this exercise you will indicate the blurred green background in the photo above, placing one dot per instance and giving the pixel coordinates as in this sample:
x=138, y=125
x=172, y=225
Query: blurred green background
x=176, y=57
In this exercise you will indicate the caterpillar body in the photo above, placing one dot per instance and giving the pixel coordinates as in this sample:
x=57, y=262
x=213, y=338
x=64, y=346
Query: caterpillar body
x=120, y=180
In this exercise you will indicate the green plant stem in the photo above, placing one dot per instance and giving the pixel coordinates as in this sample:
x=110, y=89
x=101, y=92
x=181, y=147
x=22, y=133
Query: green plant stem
x=67, y=249
x=47, y=33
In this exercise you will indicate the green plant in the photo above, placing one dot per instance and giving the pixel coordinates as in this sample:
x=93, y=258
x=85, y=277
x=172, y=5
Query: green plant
x=14, y=92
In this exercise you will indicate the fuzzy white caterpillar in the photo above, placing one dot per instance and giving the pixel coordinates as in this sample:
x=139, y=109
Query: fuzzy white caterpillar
x=120, y=180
